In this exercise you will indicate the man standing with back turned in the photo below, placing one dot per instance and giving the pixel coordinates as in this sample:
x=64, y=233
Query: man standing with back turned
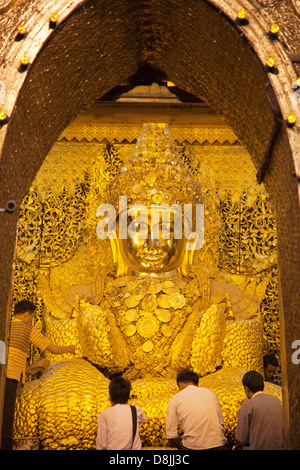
x=199, y=413
x=22, y=333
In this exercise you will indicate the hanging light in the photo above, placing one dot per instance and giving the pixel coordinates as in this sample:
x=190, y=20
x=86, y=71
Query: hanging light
x=54, y=17
x=241, y=17
x=271, y=62
x=3, y=118
x=273, y=31
x=25, y=60
x=21, y=29
x=241, y=14
x=53, y=20
x=21, y=33
x=291, y=119
x=24, y=63
x=274, y=28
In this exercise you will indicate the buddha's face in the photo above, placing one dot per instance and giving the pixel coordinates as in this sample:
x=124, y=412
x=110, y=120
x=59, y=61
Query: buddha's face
x=152, y=244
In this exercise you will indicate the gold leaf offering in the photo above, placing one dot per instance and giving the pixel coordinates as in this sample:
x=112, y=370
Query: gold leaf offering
x=130, y=330
x=147, y=346
x=131, y=315
x=163, y=315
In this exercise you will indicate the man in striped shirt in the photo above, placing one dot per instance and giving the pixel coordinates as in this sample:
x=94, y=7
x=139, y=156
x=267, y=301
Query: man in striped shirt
x=22, y=333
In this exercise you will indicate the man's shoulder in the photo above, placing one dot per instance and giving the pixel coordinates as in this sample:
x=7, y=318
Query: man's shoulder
x=264, y=397
x=19, y=323
x=20, y=327
x=107, y=411
x=260, y=400
x=194, y=390
x=205, y=392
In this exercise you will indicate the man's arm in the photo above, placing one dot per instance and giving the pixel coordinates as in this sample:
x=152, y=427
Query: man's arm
x=36, y=367
x=43, y=343
x=242, y=427
x=101, y=436
x=56, y=349
x=171, y=429
x=176, y=443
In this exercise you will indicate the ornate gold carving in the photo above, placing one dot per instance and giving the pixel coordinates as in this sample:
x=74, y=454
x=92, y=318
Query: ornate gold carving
x=248, y=235
x=154, y=171
x=120, y=134
x=296, y=6
x=5, y=3
x=269, y=312
x=50, y=227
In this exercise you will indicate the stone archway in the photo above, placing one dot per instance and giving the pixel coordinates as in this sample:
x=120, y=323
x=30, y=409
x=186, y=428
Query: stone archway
x=98, y=45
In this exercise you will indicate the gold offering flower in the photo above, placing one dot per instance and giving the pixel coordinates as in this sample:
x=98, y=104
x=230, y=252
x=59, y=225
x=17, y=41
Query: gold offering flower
x=150, y=179
x=131, y=315
x=132, y=301
x=147, y=326
x=164, y=301
x=149, y=303
x=166, y=330
x=154, y=288
x=177, y=301
x=168, y=284
x=147, y=346
x=163, y=315
x=157, y=198
x=130, y=330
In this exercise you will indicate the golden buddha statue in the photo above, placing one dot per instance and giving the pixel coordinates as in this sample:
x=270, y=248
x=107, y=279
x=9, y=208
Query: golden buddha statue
x=151, y=312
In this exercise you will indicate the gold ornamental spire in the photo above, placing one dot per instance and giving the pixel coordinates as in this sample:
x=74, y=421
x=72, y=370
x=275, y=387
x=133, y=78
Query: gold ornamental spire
x=154, y=174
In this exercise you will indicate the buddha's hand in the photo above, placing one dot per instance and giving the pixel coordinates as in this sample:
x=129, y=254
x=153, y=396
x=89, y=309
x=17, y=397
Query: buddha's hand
x=207, y=345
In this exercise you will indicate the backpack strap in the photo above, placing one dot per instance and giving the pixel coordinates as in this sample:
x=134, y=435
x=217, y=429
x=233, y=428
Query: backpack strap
x=134, y=423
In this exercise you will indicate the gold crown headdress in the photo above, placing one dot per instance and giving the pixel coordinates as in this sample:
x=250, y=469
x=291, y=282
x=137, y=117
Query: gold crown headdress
x=154, y=173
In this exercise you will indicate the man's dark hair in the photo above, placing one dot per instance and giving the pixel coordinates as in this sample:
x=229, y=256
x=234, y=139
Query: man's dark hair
x=270, y=359
x=254, y=381
x=119, y=390
x=186, y=376
x=24, y=306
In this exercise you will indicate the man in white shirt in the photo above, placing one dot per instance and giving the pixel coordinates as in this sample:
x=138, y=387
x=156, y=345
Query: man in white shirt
x=199, y=413
x=115, y=424
x=259, y=424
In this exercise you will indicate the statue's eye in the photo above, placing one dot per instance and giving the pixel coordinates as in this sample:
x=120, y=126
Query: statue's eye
x=163, y=230
x=138, y=229
x=168, y=227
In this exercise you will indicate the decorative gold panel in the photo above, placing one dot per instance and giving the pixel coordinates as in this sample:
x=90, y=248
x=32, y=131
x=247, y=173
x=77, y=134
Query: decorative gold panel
x=124, y=133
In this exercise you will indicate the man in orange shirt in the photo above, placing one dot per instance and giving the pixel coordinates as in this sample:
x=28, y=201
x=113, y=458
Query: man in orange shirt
x=22, y=333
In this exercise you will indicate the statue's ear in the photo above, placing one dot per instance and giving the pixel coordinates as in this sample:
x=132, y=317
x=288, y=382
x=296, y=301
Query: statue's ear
x=117, y=256
x=187, y=261
x=191, y=245
x=114, y=248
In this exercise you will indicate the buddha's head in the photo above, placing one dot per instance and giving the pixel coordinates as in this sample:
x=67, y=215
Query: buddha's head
x=152, y=244
x=157, y=202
